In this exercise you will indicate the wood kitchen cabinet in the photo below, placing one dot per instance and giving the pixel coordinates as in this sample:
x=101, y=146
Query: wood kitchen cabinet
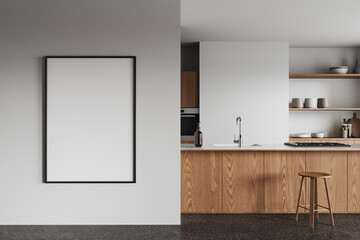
x=243, y=182
x=336, y=164
x=189, y=89
x=354, y=182
x=201, y=182
x=282, y=183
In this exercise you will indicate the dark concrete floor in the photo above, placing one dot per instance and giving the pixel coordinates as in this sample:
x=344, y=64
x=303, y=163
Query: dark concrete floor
x=268, y=226
x=91, y=232
x=201, y=226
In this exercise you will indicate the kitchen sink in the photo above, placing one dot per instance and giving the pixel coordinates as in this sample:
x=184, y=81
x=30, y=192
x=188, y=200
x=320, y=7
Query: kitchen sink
x=226, y=144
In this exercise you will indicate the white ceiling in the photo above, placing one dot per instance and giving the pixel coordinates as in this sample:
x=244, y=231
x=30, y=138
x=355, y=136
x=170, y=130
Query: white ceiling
x=308, y=23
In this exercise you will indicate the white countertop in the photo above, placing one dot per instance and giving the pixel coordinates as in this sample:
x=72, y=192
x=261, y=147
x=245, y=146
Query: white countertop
x=266, y=147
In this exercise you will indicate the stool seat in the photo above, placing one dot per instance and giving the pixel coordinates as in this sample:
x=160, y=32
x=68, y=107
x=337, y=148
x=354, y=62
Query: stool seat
x=313, y=207
x=315, y=174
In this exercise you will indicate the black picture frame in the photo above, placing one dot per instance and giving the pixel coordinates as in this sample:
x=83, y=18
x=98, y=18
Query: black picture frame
x=44, y=112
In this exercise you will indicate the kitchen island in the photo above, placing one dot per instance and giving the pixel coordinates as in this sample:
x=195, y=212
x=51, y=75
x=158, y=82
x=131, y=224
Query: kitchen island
x=264, y=179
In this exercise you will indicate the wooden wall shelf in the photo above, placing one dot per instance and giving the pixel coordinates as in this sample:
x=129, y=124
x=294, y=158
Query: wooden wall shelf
x=304, y=76
x=324, y=109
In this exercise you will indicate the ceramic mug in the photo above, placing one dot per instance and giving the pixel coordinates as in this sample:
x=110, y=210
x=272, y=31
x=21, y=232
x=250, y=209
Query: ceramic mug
x=310, y=102
x=297, y=103
x=322, y=103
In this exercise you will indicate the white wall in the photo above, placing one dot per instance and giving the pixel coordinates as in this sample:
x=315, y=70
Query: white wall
x=302, y=23
x=318, y=60
x=150, y=30
x=243, y=79
x=340, y=92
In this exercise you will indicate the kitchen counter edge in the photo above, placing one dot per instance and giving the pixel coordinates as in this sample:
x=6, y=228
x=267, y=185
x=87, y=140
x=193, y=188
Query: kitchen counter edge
x=269, y=148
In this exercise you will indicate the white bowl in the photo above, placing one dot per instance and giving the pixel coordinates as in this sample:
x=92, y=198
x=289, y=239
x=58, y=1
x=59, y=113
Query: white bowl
x=318, y=135
x=339, y=70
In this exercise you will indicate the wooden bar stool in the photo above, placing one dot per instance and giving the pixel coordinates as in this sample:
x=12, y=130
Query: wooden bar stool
x=314, y=206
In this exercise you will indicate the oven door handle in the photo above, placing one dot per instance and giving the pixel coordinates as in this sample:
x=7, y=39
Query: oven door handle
x=187, y=116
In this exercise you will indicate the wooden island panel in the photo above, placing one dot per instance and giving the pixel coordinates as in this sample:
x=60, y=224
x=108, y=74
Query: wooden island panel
x=243, y=182
x=334, y=163
x=354, y=182
x=282, y=183
x=201, y=182
x=265, y=181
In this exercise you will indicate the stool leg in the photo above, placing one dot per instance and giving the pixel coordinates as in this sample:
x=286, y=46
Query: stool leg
x=297, y=207
x=316, y=199
x=328, y=198
x=312, y=193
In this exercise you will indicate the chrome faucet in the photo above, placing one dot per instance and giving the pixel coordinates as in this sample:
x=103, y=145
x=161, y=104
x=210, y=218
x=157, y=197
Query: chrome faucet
x=239, y=140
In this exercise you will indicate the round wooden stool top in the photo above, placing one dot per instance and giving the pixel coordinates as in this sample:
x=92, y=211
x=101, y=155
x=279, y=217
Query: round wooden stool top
x=315, y=174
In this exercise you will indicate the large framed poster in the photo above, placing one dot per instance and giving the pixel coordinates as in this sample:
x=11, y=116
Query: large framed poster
x=89, y=119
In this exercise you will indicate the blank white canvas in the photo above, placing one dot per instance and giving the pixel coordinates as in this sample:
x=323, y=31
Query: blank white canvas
x=90, y=119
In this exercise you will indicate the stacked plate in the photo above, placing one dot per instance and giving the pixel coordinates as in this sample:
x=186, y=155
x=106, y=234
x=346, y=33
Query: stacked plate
x=307, y=135
x=300, y=135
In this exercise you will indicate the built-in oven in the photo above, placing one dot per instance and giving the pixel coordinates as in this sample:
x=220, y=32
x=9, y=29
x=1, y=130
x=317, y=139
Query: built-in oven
x=189, y=121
